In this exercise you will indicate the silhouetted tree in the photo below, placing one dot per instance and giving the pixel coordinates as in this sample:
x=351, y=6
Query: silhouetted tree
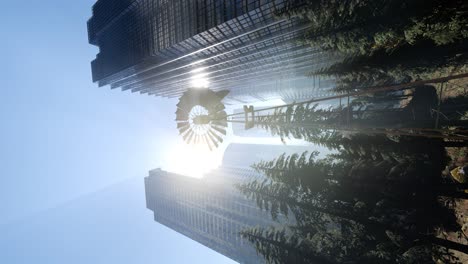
x=388, y=200
x=427, y=39
x=364, y=27
x=332, y=127
x=406, y=64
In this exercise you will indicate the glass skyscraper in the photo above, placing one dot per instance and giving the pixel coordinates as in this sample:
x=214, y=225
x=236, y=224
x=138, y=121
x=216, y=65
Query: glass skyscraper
x=210, y=210
x=159, y=47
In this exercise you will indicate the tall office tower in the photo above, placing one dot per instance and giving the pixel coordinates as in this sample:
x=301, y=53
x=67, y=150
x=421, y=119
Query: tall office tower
x=163, y=47
x=210, y=210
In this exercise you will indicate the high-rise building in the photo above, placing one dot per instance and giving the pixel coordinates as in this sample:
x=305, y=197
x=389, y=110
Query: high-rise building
x=210, y=210
x=163, y=47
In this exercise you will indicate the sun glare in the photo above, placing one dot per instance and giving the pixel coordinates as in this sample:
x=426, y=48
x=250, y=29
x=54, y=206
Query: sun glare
x=199, y=79
x=192, y=160
x=198, y=70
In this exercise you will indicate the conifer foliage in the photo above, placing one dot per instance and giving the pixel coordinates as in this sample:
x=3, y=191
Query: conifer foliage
x=387, y=41
x=381, y=113
x=366, y=26
x=359, y=207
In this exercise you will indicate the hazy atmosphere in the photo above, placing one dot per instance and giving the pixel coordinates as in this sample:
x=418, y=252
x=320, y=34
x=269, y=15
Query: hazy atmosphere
x=217, y=131
x=68, y=149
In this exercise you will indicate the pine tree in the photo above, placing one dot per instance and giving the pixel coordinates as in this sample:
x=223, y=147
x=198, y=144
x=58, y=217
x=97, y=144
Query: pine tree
x=425, y=40
x=283, y=246
x=407, y=64
x=364, y=27
x=341, y=194
x=332, y=127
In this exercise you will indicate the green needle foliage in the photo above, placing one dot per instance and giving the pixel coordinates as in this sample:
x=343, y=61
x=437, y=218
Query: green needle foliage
x=334, y=128
x=355, y=207
x=282, y=246
x=362, y=27
x=386, y=42
x=337, y=128
x=407, y=64
x=302, y=121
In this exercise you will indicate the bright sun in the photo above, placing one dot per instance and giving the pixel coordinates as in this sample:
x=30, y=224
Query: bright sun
x=192, y=160
x=199, y=78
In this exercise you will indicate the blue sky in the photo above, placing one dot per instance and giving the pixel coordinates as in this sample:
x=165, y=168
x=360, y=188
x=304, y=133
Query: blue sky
x=73, y=156
x=109, y=226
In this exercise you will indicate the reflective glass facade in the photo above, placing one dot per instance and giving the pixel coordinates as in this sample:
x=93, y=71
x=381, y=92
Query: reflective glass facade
x=210, y=210
x=158, y=47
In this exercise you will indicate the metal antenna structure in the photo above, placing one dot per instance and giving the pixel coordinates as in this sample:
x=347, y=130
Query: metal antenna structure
x=201, y=116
